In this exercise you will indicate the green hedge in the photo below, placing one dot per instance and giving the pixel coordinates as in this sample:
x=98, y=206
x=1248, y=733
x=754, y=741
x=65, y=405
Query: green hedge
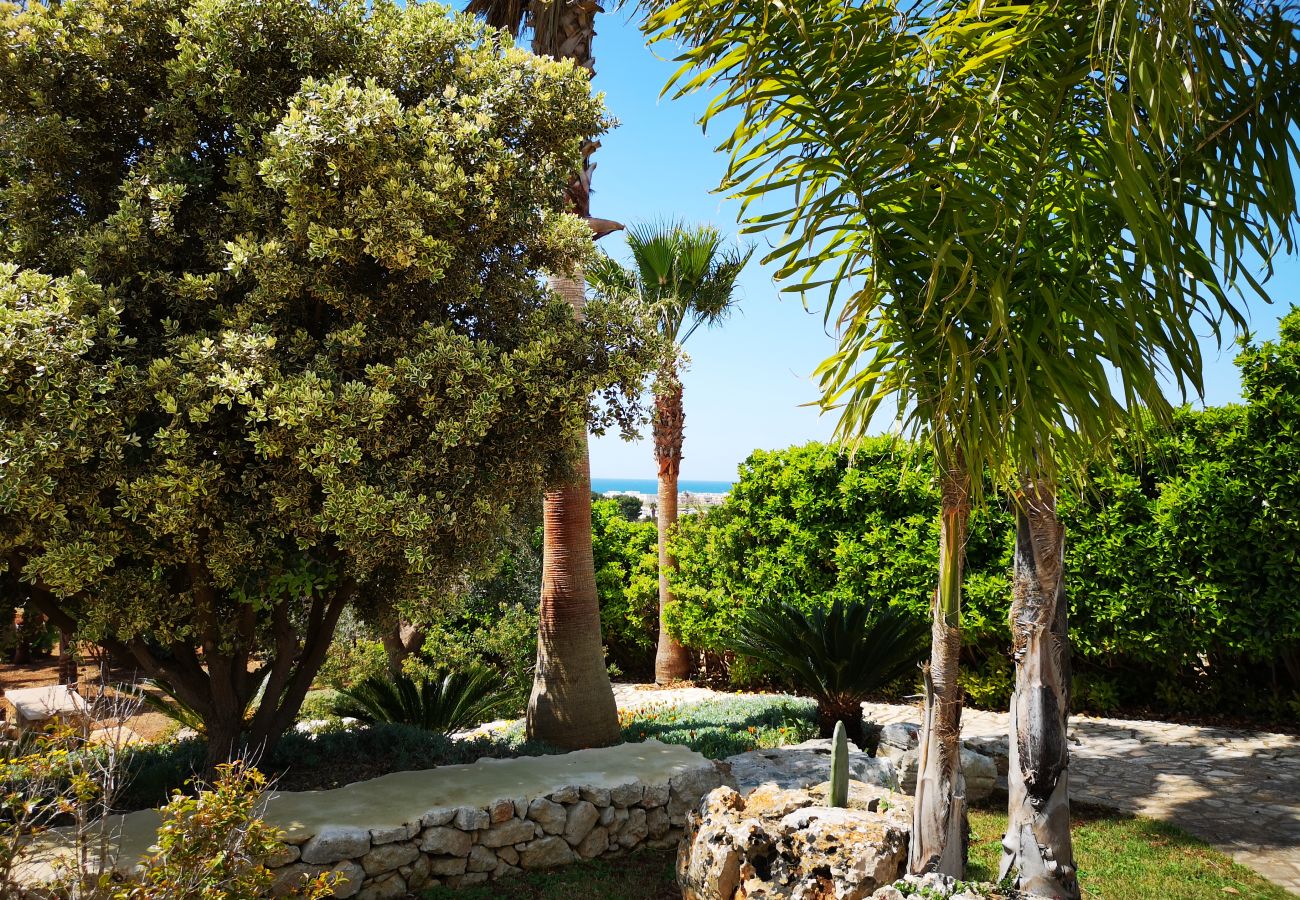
x=1183, y=563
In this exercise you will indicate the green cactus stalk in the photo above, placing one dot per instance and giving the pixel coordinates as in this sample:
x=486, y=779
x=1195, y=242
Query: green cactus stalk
x=839, y=792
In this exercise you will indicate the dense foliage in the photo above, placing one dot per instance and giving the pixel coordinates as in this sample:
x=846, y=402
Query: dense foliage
x=1181, y=563
x=456, y=701
x=838, y=654
x=272, y=328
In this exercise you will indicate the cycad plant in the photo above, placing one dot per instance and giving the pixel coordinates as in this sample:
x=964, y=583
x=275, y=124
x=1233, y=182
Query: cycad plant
x=683, y=278
x=837, y=654
x=454, y=702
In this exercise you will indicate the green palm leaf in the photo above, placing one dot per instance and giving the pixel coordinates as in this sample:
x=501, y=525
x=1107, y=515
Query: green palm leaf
x=453, y=702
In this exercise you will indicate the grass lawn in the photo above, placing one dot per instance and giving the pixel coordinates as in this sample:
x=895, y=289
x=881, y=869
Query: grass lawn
x=1124, y=858
x=1119, y=859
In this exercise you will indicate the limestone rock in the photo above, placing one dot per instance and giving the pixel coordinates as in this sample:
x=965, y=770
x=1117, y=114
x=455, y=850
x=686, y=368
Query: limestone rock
x=508, y=855
x=635, y=830
x=481, y=859
x=440, y=815
x=549, y=814
x=387, y=857
x=688, y=788
x=291, y=877
x=657, y=822
x=512, y=831
x=501, y=810
x=594, y=844
x=567, y=794
x=595, y=795
x=282, y=856
x=779, y=843
x=389, y=887
x=393, y=834
x=979, y=771
x=655, y=795
x=546, y=852
x=417, y=874
x=446, y=866
x=350, y=879
x=445, y=841
x=801, y=766
x=607, y=816
x=625, y=795
x=583, y=817
x=942, y=887
x=469, y=818
x=335, y=842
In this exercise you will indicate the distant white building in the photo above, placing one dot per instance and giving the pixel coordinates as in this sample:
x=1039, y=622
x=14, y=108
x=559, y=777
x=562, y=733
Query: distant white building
x=687, y=502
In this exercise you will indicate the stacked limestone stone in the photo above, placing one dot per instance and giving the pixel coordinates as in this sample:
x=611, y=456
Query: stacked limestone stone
x=470, y=845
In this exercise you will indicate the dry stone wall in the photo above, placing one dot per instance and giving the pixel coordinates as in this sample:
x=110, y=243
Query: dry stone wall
x=466, y=845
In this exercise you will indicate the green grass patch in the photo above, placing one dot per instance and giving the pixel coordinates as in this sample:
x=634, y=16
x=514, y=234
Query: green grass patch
x=1127, y=858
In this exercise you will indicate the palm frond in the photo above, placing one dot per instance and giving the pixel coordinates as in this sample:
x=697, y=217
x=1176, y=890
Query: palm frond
x=453, y=702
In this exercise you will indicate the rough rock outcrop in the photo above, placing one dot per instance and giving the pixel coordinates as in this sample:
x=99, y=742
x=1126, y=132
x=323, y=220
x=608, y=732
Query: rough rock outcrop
x=781, y=844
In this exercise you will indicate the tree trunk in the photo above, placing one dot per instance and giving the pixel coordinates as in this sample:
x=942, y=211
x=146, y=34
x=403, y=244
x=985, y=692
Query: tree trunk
x=939, y=830
x=400, y=640
x=672, y=661
x=67, y=658
x=1037, y=852
x=572, y=703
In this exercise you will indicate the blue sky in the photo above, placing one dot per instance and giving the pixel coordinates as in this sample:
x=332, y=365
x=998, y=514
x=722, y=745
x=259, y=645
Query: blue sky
x=749, y=378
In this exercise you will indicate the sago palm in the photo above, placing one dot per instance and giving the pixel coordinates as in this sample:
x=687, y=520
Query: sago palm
x=452, y=702
x=682, y=278
x=572, y=702
x=837, y=654
x=1008, y=202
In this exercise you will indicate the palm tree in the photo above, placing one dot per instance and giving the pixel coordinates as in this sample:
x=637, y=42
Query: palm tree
x=683, y=279
x=1014, y=200
x=572, y=702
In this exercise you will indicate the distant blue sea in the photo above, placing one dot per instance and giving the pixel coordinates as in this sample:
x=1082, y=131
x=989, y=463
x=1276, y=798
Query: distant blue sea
x=650, y=486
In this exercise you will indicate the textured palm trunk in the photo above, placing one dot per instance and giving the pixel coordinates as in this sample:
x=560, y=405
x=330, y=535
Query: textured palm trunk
x=939, y=812
x=1036, y=852
x=572, y=703
x=672, y=660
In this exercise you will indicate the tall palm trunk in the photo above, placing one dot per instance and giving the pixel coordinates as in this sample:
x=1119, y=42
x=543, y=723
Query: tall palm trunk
x=939, y=810
x=672, y=660
x=572, y=703
x=1037, y=851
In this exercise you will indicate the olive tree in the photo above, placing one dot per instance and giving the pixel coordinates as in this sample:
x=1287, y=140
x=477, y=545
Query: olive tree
x=274, y=334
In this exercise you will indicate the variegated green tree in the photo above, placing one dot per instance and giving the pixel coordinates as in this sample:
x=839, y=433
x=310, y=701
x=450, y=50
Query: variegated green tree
x=272, y=331
x=1022, y=212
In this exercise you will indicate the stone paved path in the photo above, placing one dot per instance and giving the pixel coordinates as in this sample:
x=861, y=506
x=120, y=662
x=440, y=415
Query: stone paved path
x=1237, y=790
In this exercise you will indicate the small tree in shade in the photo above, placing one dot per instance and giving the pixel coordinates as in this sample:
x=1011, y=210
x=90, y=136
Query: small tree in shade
x=682, y=278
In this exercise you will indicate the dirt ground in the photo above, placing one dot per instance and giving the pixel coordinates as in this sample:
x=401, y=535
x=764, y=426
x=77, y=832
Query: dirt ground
x=147, y=724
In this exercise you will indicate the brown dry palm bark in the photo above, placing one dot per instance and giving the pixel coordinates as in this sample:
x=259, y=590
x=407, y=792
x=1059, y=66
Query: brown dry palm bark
x=572, y=703
x=1037, y=851
x=672, y=661
x=939, y=812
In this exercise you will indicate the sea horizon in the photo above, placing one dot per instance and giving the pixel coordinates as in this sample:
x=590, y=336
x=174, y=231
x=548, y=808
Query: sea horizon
x=651, y=485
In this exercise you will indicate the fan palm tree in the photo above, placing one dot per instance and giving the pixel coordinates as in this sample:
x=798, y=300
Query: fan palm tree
x=683, y=278
x=1010, y=205
x=572, y=702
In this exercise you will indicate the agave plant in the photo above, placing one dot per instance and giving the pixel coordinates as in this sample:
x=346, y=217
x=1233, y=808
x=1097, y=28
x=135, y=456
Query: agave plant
x=836, y=654
x=453, y=702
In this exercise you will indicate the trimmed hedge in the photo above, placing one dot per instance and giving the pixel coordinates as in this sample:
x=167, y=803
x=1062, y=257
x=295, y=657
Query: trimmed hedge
x=1182, y=564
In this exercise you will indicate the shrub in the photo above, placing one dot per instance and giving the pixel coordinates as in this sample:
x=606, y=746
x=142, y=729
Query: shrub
x=838, y=654
x=453, y=702
x=211, y=845
x=723, y=727
x=305, y=762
